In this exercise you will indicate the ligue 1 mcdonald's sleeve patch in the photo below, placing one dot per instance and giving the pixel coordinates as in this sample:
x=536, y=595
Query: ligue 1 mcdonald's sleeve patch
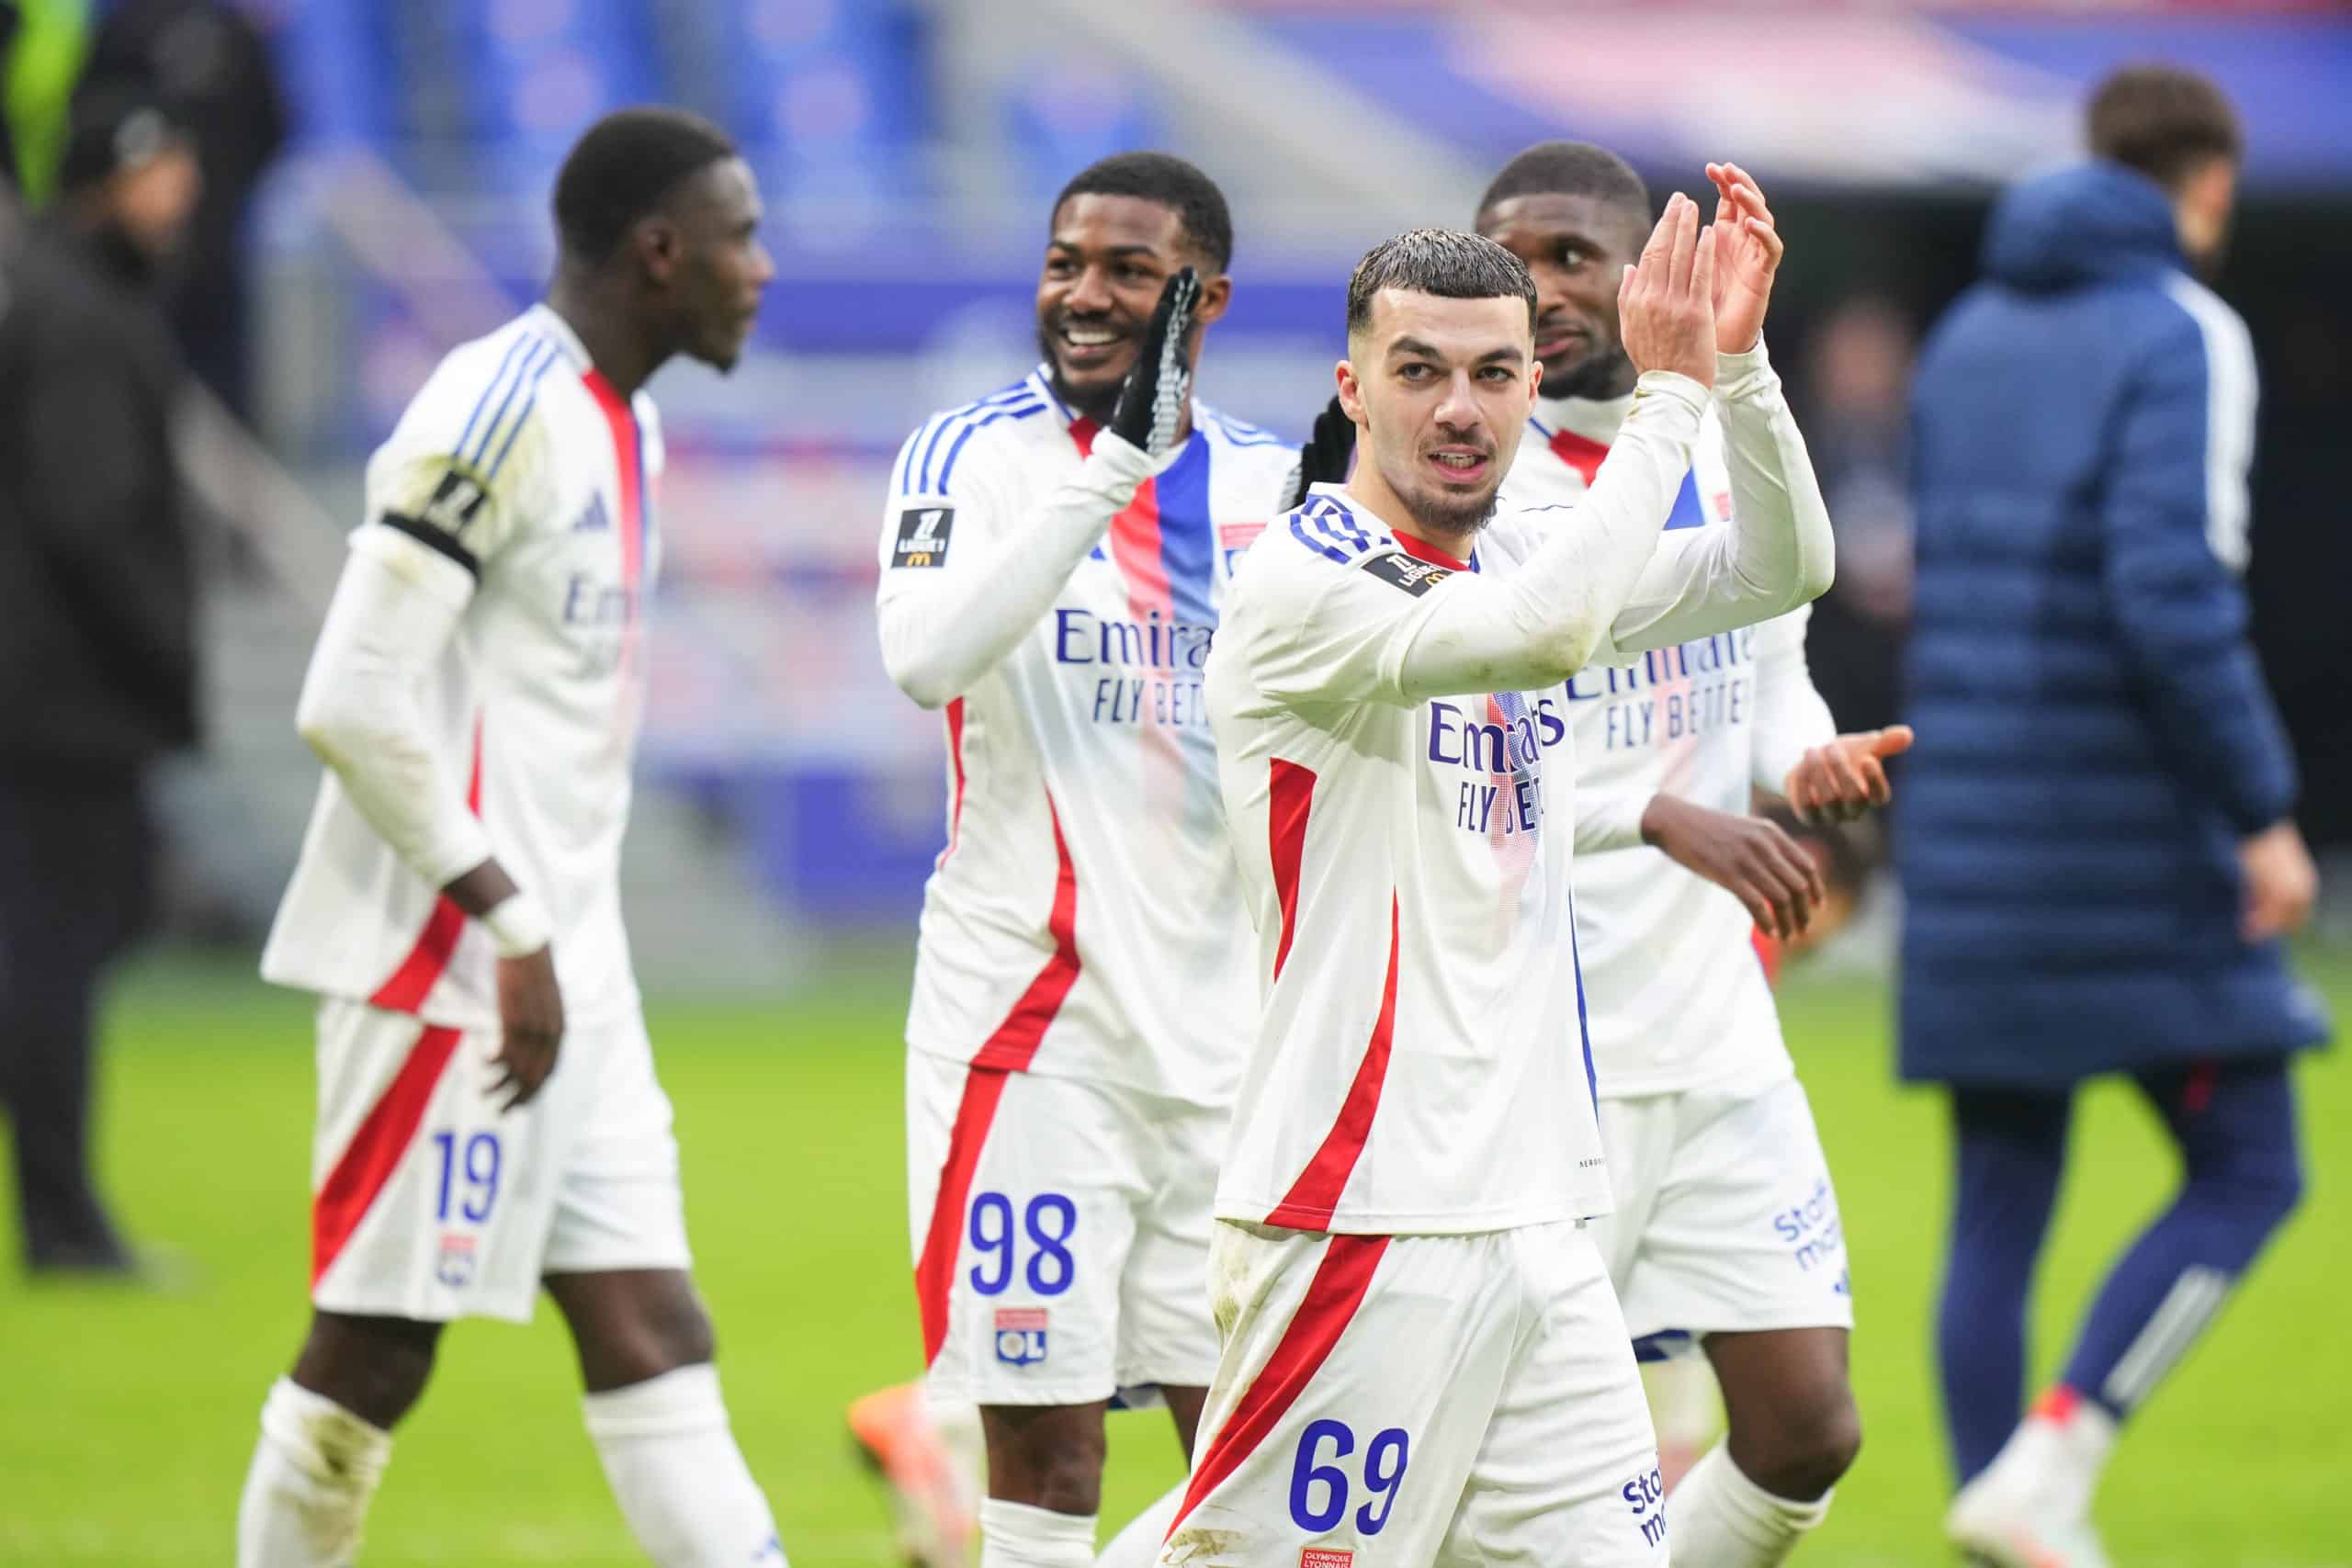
x=1401, y=570
x=922, y=535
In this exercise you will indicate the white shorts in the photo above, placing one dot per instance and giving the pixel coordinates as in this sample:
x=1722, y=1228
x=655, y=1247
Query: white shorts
x=1725, y=1219
x=429, y=1204
x=1061, y=1235
x=1442, y=1400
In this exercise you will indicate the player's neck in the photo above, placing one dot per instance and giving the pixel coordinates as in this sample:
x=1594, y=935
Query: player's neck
x=615, y=345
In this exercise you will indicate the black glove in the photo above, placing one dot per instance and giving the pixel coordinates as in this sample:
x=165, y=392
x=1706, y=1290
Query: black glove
x=1328, y=454
x=1151, y=404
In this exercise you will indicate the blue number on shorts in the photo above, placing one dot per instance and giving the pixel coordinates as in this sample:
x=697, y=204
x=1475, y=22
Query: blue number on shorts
x=1382, y=1478
x=480, y=1167
x=1307, y=1473
x=482, y=1159
x=995, y=1238
x=1384, y=1471
x=1051, y=1246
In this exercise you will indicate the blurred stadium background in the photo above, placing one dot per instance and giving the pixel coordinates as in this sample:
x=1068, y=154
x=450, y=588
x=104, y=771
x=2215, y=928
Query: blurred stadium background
x=792, y=799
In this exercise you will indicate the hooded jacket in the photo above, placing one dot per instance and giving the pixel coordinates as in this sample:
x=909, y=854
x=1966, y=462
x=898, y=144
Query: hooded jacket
x=2094, y=734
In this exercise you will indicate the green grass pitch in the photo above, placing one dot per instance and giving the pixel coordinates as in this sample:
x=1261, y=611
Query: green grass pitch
x=126, y=1419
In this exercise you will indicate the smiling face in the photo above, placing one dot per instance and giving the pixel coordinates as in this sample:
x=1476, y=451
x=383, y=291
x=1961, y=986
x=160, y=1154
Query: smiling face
x=1440, y=390
x=1577, y=247
x=1105, y=263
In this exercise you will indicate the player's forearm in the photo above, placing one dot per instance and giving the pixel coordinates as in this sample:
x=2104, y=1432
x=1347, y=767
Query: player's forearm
x=941, y=637
x=1791, y=717
x=391, y=617
x=1612, y=822
x=1775, y=555
x=1540, y=625
x=1786, y=554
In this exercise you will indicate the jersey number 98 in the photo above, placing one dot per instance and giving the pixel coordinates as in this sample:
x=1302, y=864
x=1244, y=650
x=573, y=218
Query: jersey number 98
x=1049, y=1220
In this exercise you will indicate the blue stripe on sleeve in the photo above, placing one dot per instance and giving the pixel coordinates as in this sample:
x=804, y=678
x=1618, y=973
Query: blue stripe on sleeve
x=522, y=419
x=947, y=468
x=537, y=361
x=1323, y=547
x=522, y=341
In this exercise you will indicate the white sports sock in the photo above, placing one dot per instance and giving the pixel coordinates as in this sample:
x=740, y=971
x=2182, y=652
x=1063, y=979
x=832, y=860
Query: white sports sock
x=315, y=1470
x=1137, y=1546
x=1014, y=1535
x=676, y=1473
x=1719, y=1518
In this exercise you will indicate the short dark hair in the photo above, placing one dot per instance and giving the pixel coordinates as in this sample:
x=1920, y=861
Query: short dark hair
x=623, y=167
x=1443, y=262
x=1569, y=168
x=2163, y=121
x=1175, y=185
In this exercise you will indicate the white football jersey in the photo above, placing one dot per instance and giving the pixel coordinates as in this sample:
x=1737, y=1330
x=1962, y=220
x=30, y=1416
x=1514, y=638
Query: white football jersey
x=1676, y=997
x=1419, y=1064
x=1083, y=920
x=520, y=462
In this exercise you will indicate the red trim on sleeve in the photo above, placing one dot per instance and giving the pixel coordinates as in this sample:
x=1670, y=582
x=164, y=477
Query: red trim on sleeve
x=1311, y=1199
x=956, y=767
x=1341, y=1282
x=375, y=1150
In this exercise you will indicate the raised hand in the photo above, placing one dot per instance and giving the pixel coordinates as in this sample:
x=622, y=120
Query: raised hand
x=1748, y=252
x=1845, y=779
x=1666, y=301
x=1151, y=405
x=1329, y=456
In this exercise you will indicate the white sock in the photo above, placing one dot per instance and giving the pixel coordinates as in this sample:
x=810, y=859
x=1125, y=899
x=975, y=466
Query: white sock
x=1014, y=1535
x=1719, y=1518
x=1137, y=1546
x=314, y=1472
x=676, y=1473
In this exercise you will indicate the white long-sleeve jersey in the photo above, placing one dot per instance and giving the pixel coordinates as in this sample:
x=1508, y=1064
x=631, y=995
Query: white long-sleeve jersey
x=477, y=686
x=1675, y=996
x=1397, y=767
x=1055, y=594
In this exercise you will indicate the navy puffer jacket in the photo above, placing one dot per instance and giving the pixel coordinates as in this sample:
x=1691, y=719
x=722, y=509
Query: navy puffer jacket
x=2094, y=733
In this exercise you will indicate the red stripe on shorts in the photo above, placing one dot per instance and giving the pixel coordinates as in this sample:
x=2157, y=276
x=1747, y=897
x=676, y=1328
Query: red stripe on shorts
x=1008, y=1049
x=375, y=1151
x=422, y=969
x=1332, y=1297
x=1308, y=1206
x=1290, y=795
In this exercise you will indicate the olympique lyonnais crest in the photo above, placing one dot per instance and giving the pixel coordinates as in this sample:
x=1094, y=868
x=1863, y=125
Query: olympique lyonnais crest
x=1020, y=1335
x=1325, y=1557
x=457, y=1255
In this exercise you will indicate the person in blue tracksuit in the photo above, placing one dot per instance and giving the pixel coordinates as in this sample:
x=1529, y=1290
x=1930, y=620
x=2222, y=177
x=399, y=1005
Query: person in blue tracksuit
x=2098, y=856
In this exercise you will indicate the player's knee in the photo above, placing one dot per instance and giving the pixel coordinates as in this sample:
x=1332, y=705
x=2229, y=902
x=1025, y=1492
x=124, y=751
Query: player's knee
x=2255, y=1188
x=1807, y=1450
x=1048, y=1458
x=374, y=1367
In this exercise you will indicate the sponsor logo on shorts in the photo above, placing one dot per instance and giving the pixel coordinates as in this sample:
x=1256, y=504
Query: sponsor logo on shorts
x=456, y=1269
x=1645, y=1496
x=1325, y=1557
x=1811, y=1230
x=1020, y=1335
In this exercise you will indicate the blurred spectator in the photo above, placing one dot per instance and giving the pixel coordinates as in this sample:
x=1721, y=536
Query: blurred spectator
x=2097, y=853
x=98, y=658
x=211, y=69
x=1858, y=432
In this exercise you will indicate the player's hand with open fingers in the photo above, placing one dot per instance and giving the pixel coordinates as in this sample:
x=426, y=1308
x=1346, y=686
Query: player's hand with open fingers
x=1151, y=403
x=1847, y=777
x=1756, y=861
x=1328, y=457
x=530, y=1024
x=1747, y=255
x=1666, y=300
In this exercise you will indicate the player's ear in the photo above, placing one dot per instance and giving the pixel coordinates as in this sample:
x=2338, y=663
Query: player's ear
x=1534, y=378
x=1216, y=295
x=660, y=247
x=1351, y=392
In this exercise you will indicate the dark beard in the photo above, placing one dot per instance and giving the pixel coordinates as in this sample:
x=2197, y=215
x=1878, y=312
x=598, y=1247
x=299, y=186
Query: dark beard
x=1599, y=377
x=1455, y=522
x=1096, y=405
